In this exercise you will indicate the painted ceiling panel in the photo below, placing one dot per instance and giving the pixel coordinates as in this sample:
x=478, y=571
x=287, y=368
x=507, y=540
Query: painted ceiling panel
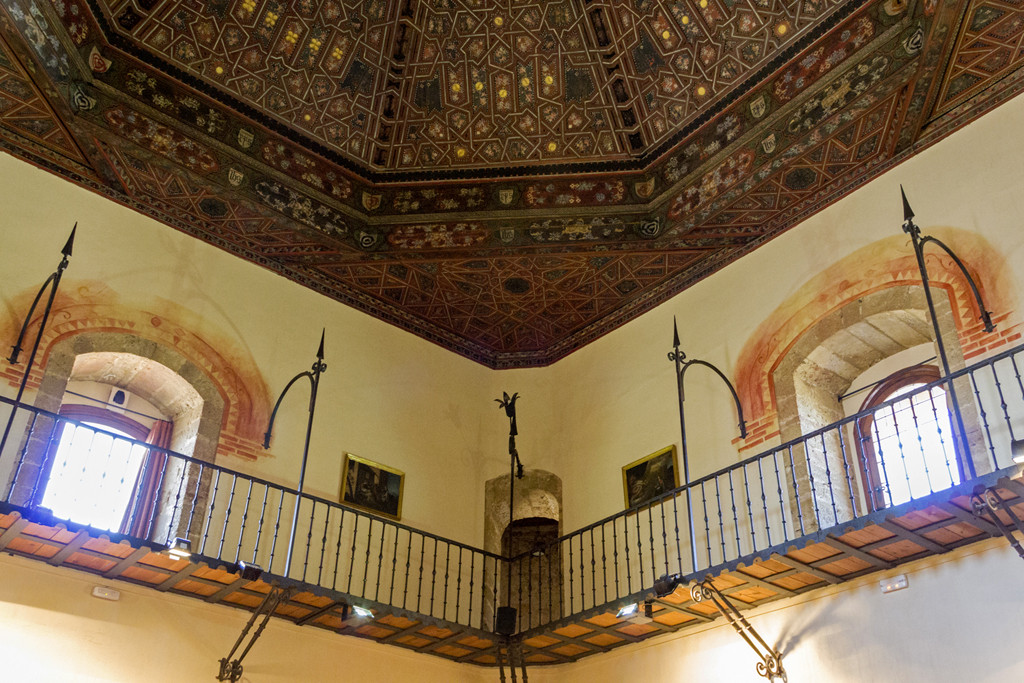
x=510, y=180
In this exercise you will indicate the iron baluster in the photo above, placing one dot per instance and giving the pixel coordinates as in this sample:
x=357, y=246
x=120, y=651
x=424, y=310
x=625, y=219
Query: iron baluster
x=846, y=470
x=366, y=560
x=721, y=520
x=814, y=489
x=615, y=555
x=639, y=549
x=337, y=550
x=735, y=515
x=583, y=592
x=227, y=515
x=953, y=477
x=828, y=477
x=380, y=558
x=707, y=523
x=764, y=503
x=604, y=570
x=750, y=511
x=1002, y=406
x=433, y=579
x=277, y=526
x=309, y=538
x=920, y=445
x=458, y=586
x=447, y=566
x=408, y=570
x=394, y=569
x=195, y=495
x=629, y=578
x=159, y=487
x=593, y=568
x=352, y=557
x=259, y=527
x=899, y=445
x=984, y=418
x=782, y=502
x=675, y=520
x=323, y=545
x=571, y=609
x=245, y=519
x=886, y=489
x=423, y=560
x=650, y=542
x=796, y=490
x=872, y=488
x=209, y=515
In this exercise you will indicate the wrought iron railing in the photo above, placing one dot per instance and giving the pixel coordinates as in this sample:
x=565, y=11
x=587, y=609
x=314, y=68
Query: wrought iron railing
x=797, y=488
x=232, y=518
x=752, y=507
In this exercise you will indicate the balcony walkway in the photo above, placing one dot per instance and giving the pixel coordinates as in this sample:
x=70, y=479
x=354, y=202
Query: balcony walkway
x=777, y=525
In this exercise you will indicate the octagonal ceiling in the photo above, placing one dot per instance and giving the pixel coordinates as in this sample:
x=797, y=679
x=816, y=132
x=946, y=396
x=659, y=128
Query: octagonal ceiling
x=508, y=179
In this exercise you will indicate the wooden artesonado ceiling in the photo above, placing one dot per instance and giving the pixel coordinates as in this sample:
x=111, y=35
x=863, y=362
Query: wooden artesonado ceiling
x=510, y=180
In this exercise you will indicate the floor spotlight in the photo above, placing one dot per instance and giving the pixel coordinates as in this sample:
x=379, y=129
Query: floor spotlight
x=362, y=612
x=180, y=549
x=626, y=611
x=1017, y=451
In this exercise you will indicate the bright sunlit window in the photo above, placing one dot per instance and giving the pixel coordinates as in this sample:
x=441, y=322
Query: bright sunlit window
x=910, y=452
x=93, y=476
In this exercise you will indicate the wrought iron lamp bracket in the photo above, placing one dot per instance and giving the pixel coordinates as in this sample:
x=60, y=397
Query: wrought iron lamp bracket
x=986, y=504
x=231, y=669
x=770, y=666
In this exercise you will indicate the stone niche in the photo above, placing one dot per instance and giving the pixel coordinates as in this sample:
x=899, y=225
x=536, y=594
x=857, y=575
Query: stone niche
x=532, y=583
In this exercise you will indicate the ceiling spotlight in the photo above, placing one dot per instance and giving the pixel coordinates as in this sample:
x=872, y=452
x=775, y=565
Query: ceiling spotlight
x=626, y=611
x=666, y=585
x=362, y=612
x=250, y=572
x=1017, y=451
x=180, y=549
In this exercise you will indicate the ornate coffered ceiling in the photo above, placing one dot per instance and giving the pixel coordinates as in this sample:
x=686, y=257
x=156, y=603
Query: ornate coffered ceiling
x=508, y=179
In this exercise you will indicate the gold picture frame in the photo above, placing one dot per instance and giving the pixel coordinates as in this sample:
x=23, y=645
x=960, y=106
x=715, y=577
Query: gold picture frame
x=371, y=486
x=645, y=479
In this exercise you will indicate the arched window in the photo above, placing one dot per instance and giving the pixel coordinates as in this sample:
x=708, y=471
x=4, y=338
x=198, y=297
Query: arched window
x=906, y=449
x=94, y=469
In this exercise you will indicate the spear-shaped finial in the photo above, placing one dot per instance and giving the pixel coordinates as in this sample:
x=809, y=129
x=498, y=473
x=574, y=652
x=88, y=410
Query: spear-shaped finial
x=320, y=351
x=675, y=333
x=908, y=213
x=70, y=244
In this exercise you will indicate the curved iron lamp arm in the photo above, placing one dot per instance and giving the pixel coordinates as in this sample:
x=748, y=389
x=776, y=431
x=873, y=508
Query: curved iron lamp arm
x=682, y=364
x=313, y=375
x=965, y=464
x=52, y=282
x=986, y=316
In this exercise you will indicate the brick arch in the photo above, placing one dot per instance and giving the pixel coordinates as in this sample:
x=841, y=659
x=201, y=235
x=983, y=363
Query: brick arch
x=90, y=310
x=885, y=264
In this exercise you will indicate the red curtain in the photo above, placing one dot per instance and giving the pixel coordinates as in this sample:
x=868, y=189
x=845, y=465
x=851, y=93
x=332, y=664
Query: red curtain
x=141, y=511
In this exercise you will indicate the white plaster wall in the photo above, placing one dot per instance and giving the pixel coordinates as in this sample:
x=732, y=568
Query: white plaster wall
x=52, y=630
x=959, y=619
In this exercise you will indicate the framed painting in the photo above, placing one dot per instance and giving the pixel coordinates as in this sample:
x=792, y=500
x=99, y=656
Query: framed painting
x=645, y=479
x=372, y=487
